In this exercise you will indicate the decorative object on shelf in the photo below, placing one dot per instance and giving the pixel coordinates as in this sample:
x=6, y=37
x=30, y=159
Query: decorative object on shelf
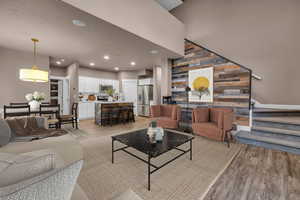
x=110, y=92
x=34, y=74
x=35, y=100
x=201, y=84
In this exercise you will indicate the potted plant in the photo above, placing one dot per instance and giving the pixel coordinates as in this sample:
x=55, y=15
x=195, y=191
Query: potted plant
x=110, y=92
x=35, y=99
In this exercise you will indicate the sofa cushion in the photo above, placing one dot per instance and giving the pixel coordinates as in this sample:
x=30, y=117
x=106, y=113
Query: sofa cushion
x=16, y=168
x=201, y=115
x=65, y=146
x=5, y=133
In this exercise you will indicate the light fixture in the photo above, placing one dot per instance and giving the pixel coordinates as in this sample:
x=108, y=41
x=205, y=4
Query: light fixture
x=79, y=23
x=62, y=60
x=106, y=57
x=58, y=62
x=132, y=63
x=92, y=64
x=34, y=74
x=117, y=68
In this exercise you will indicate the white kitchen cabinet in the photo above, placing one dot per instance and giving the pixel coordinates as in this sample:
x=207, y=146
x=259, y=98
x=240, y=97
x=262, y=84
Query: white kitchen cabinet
x=86, y=110
x=92, y=85
x=82, y=111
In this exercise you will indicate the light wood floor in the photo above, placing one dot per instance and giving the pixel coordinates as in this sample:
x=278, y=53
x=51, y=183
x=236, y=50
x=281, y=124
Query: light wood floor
x=181, y=180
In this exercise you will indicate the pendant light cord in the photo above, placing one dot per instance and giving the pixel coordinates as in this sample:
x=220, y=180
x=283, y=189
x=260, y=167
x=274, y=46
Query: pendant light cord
x=34, y=53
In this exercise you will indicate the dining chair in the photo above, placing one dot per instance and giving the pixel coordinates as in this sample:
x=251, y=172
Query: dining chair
x=16, y=111
x=19, y=104
x=70, y=119
x=52, y=112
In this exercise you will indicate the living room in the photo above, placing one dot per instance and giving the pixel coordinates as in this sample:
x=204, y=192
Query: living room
x=149, y=100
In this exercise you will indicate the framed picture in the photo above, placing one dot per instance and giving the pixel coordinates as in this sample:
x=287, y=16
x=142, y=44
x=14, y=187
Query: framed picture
x=201, y=83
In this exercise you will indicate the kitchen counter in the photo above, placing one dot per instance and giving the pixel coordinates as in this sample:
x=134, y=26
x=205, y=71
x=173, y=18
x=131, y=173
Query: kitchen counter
x=103, y=110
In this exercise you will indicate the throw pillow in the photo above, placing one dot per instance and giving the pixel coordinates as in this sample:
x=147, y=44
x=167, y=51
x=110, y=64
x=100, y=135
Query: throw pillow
x=16, y=168
x=5, y=133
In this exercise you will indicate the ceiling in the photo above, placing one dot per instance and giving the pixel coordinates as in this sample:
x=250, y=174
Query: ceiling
x=169, y=4
x=51, y=22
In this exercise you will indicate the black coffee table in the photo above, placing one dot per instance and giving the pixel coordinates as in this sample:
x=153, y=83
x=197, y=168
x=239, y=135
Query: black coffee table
x=139, y=140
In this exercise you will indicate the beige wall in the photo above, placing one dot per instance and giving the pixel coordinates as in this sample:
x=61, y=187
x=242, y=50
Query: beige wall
x=83, y=71
x=144, y=18
x=11, y=88
x=260, y=34
x=72, y=75
x=58, y=71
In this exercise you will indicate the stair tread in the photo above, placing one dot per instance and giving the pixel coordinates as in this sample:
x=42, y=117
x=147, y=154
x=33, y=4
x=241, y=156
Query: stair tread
x=286, y=120
x=270, y=110
x=270, y=139
x=276, y=130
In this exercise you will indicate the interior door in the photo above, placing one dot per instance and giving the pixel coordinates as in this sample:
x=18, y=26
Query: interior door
x=130, y=92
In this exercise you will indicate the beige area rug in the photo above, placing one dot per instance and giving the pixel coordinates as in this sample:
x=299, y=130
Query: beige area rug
x=259, y=173
x=180, y=180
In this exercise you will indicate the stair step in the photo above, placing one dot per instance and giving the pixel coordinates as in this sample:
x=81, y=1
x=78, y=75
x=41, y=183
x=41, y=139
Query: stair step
x=282, y=120
x=265, y=112
x=276, y=131
x=271, y=139
x=269, y=110
x=286, y=123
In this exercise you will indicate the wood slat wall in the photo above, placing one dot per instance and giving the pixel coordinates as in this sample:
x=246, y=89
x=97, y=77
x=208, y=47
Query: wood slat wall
x=232, y=82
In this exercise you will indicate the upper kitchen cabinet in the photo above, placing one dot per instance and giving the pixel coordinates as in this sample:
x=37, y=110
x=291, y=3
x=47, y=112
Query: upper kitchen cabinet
x=92, y=85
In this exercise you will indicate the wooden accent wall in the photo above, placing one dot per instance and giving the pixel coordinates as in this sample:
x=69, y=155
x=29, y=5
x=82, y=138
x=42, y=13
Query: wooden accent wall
x=232, y=82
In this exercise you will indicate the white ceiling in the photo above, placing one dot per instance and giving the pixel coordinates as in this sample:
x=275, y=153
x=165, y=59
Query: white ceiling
x=51, y=22
x=169, y=4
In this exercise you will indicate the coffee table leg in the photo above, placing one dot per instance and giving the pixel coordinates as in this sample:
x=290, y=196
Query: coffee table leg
x=112, y=151
x=191, y=150
x=149, y=172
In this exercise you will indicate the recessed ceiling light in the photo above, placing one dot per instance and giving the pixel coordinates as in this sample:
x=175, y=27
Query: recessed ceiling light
x=154, y=52
x=58, y=62
x=77, y=22
x=106, y=57
x=92, y=64
x=116, y=68
x=133, y=63
x=62, y=60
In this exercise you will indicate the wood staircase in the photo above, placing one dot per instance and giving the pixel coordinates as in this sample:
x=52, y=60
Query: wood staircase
x=274, y=129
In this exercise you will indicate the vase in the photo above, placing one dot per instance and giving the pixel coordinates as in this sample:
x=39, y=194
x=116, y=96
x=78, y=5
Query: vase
x=34, y=105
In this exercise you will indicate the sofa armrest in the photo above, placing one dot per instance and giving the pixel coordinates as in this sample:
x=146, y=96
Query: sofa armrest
x=228, y=121
x=155, y=111
x=60, y=182
x=220, y=119
x=178, y=117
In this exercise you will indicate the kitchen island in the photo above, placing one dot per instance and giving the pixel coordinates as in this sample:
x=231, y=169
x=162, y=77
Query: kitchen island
x=110, y=113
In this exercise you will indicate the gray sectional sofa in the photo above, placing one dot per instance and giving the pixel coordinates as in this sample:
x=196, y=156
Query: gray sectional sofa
x=55, y=166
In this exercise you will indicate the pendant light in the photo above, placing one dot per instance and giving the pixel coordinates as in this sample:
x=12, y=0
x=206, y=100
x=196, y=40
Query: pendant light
x=34, y=74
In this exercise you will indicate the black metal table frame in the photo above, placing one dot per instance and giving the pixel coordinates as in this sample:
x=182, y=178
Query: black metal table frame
x=148, y=162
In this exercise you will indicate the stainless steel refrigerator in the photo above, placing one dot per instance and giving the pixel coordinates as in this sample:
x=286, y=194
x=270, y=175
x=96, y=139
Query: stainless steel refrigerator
x=145, y=96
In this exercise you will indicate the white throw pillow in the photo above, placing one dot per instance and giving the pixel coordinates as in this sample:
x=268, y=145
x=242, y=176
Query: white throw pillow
x=15, y=168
